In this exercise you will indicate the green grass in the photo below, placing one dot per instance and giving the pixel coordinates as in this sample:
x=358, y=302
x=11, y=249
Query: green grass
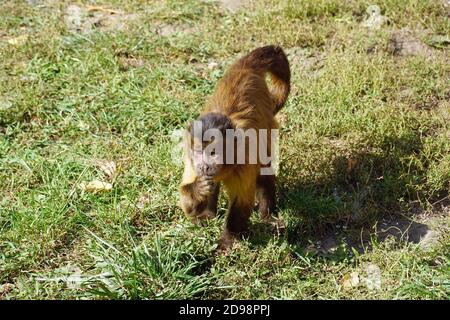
x=67, y=99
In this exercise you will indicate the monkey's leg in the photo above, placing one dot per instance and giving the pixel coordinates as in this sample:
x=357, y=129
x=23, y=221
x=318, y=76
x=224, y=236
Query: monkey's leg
x=265, y=195
x=267, y=200
x=242, y=197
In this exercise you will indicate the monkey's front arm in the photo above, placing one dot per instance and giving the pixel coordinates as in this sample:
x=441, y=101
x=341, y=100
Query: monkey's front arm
x=198, y=195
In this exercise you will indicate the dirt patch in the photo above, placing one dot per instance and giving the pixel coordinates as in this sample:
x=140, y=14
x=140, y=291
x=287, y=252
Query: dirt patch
x=425, y=229
x=402, y=229
x=404, y=43
x=231, y=5
x=434, y=101
x=167, y=30
x=86, y=19
x=305, y=59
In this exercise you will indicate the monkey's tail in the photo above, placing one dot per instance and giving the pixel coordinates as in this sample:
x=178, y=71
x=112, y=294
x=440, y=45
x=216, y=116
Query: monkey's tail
x=271, y=59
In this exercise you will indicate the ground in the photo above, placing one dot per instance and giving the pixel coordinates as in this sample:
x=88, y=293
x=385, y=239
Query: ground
x=93, y=95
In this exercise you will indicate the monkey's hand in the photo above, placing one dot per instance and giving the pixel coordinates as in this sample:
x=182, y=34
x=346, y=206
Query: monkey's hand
x=204, y=186
x=199, y=198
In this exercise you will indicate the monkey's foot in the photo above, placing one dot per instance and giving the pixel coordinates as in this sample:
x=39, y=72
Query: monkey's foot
x=225, y=244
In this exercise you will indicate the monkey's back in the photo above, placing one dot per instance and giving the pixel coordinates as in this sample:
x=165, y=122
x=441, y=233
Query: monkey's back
x=244, y=97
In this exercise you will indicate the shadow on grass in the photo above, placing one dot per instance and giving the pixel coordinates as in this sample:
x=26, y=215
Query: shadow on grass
x=356, y=206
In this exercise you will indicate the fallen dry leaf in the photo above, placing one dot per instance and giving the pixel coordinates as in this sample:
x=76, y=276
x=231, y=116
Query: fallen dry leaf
x=96, y=186
x=107, y=167
x=350, y=280
x=18, y=41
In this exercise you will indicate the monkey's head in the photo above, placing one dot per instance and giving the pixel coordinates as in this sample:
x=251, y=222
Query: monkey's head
x=207, y=143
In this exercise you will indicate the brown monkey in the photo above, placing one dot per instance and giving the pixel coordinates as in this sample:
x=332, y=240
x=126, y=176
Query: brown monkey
x=242, y=100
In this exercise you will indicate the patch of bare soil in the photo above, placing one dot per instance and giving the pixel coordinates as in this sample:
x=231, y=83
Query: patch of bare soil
x=168, y=30
x=434, y=102
x=305, y=59
x=84, y=19
x=404, y=43
x=231, y=5
x=424, y=229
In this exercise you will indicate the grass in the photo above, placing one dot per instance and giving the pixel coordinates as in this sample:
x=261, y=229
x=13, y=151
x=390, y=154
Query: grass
x=365, y=135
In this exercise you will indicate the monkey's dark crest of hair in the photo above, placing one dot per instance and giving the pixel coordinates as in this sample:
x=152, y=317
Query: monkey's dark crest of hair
x=212, y=120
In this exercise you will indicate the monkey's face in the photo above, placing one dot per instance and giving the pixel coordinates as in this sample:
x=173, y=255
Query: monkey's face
x=207, y=158
x=207, y=143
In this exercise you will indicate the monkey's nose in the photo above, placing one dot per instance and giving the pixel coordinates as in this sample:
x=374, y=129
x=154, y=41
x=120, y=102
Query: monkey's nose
x=208, y=169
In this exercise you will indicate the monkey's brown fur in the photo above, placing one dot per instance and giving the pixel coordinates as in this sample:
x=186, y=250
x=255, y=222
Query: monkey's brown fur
x=243, y=97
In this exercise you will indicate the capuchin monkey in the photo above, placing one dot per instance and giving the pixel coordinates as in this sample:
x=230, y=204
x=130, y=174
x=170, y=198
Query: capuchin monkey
x=241, y=102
